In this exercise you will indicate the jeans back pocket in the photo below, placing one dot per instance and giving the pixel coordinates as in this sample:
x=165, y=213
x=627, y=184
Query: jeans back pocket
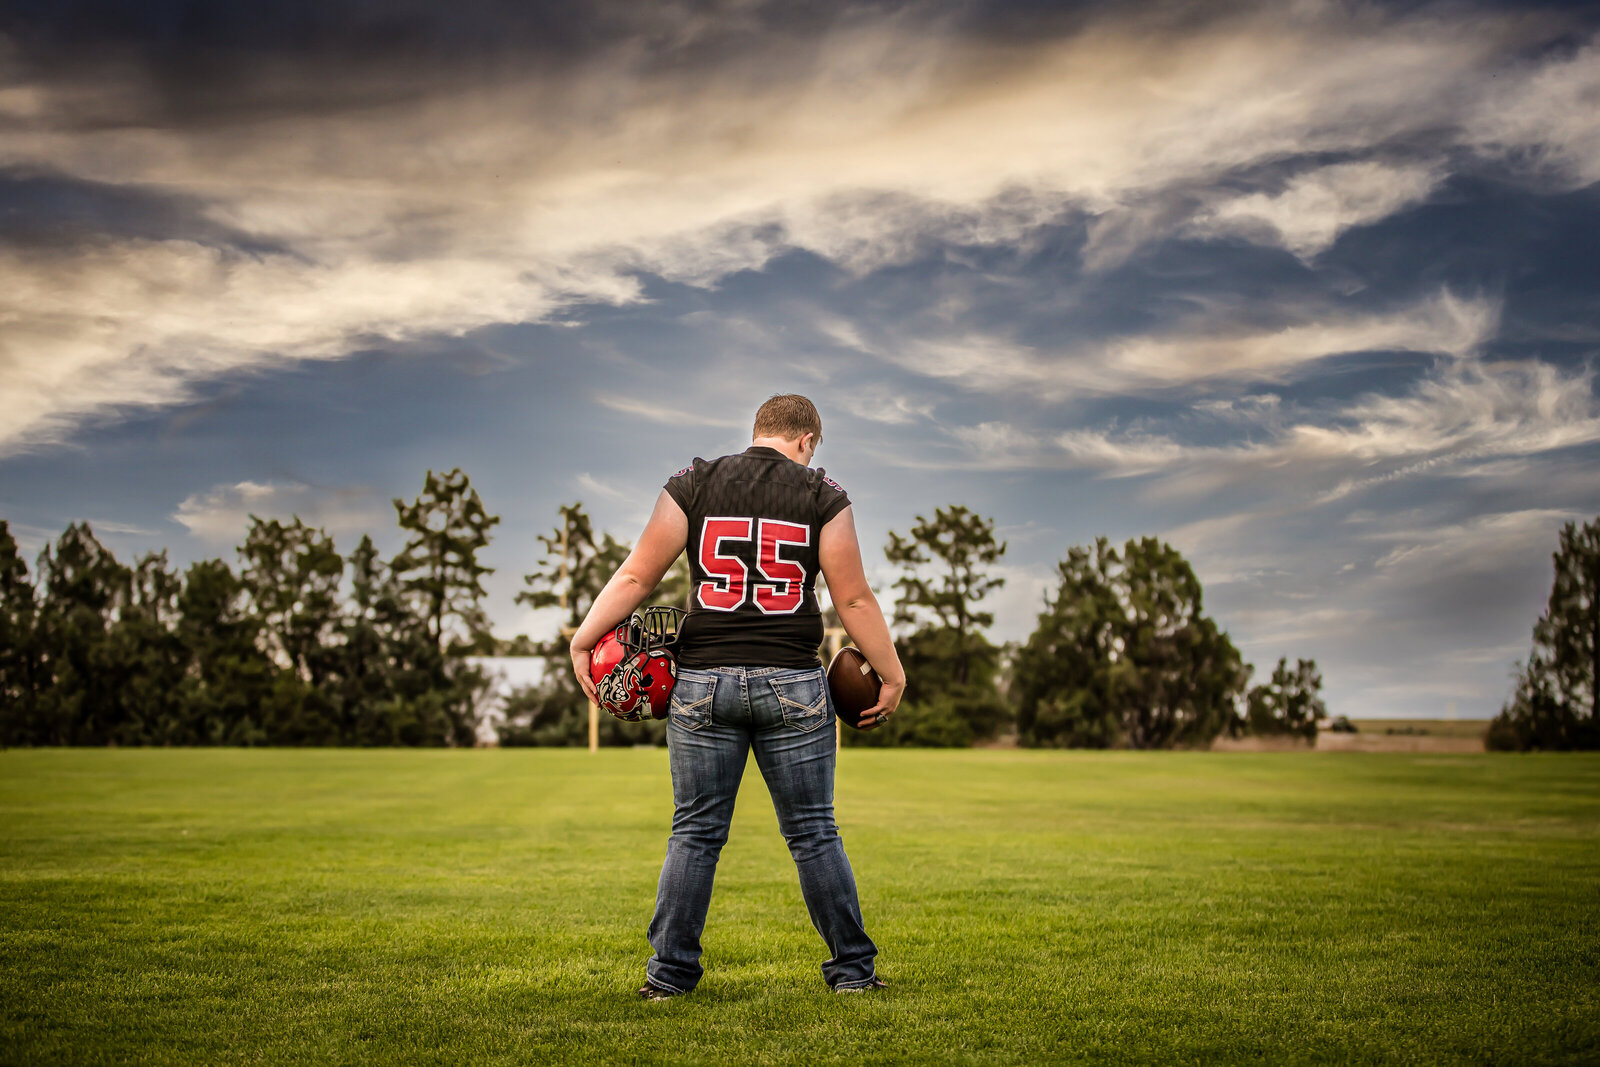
x=803, y=700
x=690, y=706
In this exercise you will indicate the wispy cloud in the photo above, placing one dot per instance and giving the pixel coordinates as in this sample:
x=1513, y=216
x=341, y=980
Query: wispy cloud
x=1353, y=594
x=664, y=414
x=1423, y=555
x=1541, y=114
x=883, y=405
x=113, y=527
x=588, y=483
x=1315, y=208
x=221, y=515
x=1465, y=411
x=1212, y=346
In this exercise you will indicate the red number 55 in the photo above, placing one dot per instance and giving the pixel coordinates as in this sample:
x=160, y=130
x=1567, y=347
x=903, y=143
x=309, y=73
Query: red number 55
x=781, y=587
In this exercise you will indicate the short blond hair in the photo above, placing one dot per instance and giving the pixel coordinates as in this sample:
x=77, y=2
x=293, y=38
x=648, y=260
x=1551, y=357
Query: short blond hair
x=789, y=416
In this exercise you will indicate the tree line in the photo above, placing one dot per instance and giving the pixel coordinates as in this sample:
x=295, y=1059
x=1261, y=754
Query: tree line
x=1123, y=654
x=295, y=644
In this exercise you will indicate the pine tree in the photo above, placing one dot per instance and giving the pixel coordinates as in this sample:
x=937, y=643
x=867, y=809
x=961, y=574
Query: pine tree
x=575, y=567
x=366, y=676
x=952, y=696
x=1556, y=702
x=85, y=590
x=20, y=669
x=228, y=676
x=448, y=527
x=293, y=572
x=439, y=570
x=1290, y=702
x=959, y=544
x=147, y=655
x=1124, y=655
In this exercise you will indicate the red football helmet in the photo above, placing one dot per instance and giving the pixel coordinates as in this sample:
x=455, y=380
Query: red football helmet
x=633, y=668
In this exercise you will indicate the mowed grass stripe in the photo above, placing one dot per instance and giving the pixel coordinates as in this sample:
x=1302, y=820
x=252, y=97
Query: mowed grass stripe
x=441, y=907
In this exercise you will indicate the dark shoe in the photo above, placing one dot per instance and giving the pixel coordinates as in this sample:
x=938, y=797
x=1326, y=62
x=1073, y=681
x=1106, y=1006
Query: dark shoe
x=651, y=991
x=875, y=983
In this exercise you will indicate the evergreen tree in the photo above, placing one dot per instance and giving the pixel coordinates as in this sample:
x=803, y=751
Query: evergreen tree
x=1290, y=702
x=575, y=567
x=293, y=573
x=85, y=589
x=228, y=676
x=396, y=686
x=439, y=570
x=101, y=653
x=960, y=544
x=147, y=656
x=365, y=667
x=448, y=527
x=20, y=669
x=951, y=695
x=1125, y=656
x=1556, y=702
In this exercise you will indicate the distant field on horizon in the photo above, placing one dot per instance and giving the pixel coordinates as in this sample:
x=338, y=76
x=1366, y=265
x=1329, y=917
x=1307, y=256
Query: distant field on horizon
x=397, y=906
x=1458, y=736
x=1424, y=727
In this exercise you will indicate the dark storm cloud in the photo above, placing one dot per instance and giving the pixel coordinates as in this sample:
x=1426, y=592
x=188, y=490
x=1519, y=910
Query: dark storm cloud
x=42, y=210
x=206, y=62
x=163, y=31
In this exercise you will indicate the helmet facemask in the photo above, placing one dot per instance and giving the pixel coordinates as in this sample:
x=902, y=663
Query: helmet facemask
x=653, y=628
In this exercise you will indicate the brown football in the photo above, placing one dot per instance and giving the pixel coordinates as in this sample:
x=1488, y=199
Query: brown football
x=853, y=684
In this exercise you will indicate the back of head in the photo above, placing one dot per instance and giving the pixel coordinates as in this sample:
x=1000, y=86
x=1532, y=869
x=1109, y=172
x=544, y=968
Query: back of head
x=788, y=416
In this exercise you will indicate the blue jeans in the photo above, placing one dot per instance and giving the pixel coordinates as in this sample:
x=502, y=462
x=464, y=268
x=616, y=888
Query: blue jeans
x=716, y=717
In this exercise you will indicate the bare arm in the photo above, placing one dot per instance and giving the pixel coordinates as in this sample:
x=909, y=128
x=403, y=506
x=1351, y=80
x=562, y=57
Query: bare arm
x=661, y=542
x=840, y=554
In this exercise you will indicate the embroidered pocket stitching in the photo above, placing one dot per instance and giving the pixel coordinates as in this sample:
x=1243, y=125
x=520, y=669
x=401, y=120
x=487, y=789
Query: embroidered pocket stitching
x=692, y=712
x=816, y=708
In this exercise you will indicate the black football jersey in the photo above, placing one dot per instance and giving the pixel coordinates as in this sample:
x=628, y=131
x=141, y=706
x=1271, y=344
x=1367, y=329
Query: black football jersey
x=754, y=524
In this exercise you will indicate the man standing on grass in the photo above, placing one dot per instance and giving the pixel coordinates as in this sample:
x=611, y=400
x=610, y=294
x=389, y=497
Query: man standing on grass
x=758, y=526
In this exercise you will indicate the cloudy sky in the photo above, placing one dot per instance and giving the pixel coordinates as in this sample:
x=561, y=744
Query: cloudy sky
x=1310, y=289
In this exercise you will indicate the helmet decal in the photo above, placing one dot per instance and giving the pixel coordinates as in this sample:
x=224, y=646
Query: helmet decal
x=619, y=689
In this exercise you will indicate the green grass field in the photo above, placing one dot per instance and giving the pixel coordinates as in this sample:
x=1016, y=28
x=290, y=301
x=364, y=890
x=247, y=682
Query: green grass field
x=490, y=906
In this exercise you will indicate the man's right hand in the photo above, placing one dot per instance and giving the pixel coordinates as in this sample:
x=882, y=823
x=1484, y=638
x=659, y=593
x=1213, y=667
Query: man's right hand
x=889, y=694
x=580, y=667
